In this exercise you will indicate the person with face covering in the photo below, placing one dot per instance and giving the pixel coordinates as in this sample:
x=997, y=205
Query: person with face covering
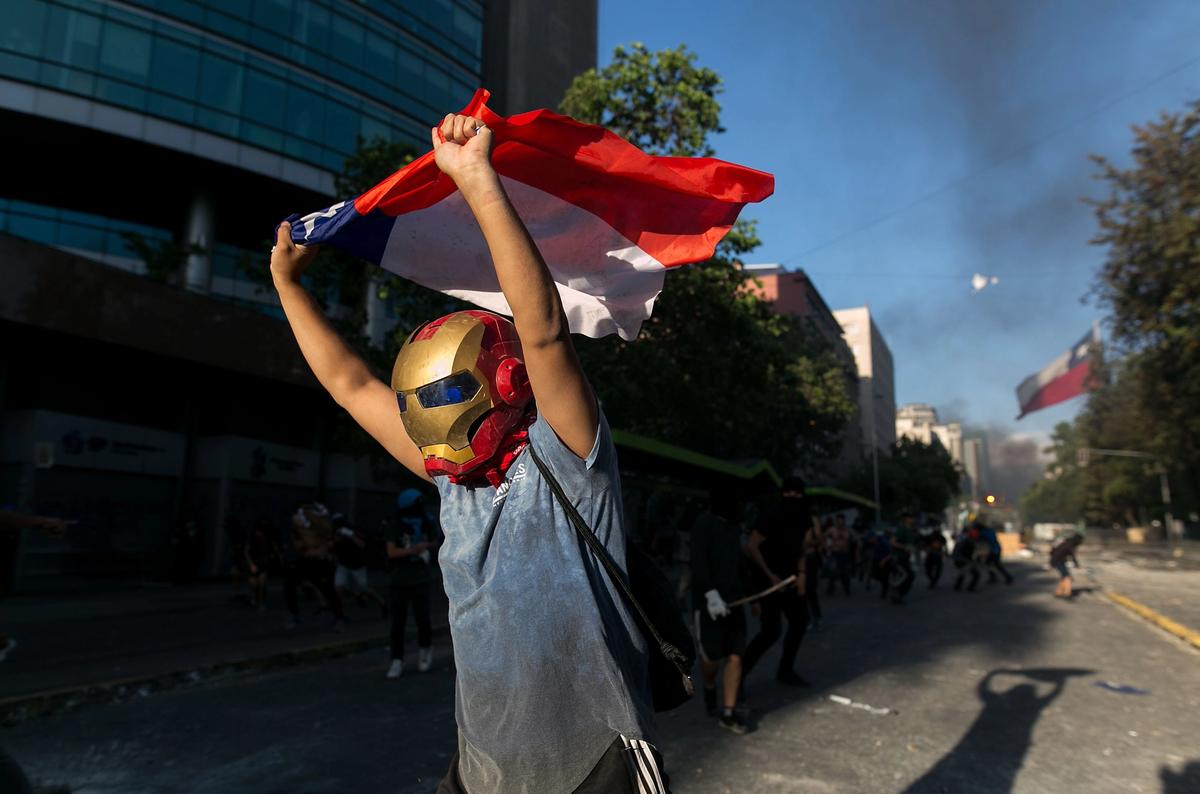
x=776, y=549
x=552, y=691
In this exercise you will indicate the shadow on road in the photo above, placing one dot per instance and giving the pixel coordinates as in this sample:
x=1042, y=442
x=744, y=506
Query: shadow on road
x=1185, y=782
x=990, y=754
x=866, y=639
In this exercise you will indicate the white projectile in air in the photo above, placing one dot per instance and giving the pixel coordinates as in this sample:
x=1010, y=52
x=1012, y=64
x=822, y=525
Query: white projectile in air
x=980, y=282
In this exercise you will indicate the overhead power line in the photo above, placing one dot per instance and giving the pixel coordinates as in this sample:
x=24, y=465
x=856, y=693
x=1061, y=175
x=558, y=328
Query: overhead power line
x=1024, y=149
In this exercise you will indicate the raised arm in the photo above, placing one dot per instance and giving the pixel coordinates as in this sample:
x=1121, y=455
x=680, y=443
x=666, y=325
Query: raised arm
x=340, y=370
x=462, y=147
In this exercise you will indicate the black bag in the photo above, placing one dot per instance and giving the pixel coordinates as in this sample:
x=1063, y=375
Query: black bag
x=652, y=600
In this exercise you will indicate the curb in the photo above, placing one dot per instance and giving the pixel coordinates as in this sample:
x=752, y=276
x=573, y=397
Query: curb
x=1165, y=623
x=19, y=708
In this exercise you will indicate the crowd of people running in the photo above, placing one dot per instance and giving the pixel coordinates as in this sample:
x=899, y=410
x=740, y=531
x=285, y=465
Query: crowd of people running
x=776, y=563
x=322, y=555
x=773, y=562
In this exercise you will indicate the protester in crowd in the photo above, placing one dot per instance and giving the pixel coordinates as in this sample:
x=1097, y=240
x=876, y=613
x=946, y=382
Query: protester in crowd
x=904, y=544
x=992, y=561
x=814, y=557
x=776, y=548
x=721, y=629
x=840, y=554
x=1061, y=552
x=350, y=576
x=549, y=693
x=312, y=562
x=881, y=561
x=261, y=558
x=935, y=555
x=235, y=542
x=966, y=548
x=411, y=542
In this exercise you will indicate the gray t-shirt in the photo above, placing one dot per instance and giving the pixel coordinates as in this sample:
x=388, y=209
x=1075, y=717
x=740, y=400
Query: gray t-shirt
x=551, y=666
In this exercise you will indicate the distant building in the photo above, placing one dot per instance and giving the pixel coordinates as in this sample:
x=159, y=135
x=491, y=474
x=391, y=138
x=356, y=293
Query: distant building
x=975, y=466
x=916, y=421
x=793, y=293
x=919, y=421
x=876, y=379
x=192, y=128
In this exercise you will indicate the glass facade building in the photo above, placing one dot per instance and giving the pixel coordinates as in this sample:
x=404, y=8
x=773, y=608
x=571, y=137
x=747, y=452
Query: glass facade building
x=300, y=78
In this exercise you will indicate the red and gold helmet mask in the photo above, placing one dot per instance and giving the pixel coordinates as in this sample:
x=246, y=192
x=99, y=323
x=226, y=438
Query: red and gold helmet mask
x=462, y=388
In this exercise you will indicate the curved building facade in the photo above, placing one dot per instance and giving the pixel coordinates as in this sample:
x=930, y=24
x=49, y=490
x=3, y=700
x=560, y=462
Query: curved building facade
x=152, y=136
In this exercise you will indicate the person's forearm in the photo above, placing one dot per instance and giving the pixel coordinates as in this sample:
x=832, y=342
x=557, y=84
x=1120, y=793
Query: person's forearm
x=524, y=278
x=336, y=366
x=754, y=550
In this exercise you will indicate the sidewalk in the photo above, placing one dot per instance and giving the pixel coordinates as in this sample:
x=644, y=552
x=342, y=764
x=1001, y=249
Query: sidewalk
x=103, y=646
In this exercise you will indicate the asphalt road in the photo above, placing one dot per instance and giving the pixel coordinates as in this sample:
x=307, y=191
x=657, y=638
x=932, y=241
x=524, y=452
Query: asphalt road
x=996, y=691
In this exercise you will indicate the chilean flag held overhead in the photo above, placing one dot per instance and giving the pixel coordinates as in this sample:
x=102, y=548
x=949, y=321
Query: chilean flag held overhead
x=1063, y=378
x=608, y=218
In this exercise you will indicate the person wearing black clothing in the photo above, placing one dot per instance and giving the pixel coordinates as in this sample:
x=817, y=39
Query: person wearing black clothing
x=964, y=559
x=935, y=556
x=350, y=551
x=411, y=543
x=261, y=558
x=776, y=547
x=903, y=545
x=716, y=580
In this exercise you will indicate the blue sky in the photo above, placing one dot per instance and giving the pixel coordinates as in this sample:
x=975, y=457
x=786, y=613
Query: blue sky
x=916, y=143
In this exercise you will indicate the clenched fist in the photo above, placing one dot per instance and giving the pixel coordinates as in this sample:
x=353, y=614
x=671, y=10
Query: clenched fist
x=462, y=148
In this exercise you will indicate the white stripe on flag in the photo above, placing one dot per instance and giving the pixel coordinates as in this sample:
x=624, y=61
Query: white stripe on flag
x=606, y=282
x=1034, y=383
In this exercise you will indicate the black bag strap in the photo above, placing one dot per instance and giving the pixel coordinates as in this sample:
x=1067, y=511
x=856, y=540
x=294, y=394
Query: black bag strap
x=666, y=648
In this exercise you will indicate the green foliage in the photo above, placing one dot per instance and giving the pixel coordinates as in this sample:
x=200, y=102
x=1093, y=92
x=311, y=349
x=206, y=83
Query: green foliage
x=715, y=369
x=163, y=259
x=660, y=102
x=915, y=476
x=1145, y=397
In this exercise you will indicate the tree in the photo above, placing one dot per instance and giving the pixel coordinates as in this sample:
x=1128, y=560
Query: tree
x=660, y=102
x=916, y=476
x=714, y=369
x=1150, y=285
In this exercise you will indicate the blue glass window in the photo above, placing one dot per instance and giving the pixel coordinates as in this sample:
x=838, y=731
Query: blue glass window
x=175, y=67
x=125, y=53
x=24, y=23
x=220, y=83
x=263, y=98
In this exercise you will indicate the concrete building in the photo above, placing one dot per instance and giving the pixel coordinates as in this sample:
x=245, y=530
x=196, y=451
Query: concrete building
x=876, y=383
x=175, y=134
x=919, y=421
x=975, y=468
x=792, y=292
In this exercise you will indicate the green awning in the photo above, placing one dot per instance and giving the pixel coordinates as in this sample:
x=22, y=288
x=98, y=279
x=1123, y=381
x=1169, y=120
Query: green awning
x=664, y=450
x=837, y=493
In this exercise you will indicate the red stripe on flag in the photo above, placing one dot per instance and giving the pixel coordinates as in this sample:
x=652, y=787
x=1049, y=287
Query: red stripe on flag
x=674, y=208
x=1070, y=384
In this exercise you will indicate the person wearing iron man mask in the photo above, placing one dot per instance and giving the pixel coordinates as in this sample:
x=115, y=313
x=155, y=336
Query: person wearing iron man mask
x=552, y=693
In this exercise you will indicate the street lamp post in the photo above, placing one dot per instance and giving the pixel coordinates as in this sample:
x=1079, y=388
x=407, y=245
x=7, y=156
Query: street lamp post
x=1083, y=454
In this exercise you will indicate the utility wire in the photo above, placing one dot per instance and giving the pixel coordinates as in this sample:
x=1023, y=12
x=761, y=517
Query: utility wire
x=945, y=188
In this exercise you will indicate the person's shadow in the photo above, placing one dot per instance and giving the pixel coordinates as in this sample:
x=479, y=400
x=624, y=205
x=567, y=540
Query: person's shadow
x=990, y=754
x=1185, y=781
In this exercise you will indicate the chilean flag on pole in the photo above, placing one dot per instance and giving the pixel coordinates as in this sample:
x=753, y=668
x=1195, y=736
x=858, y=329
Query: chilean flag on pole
x=608, y=218
x=1065, y=377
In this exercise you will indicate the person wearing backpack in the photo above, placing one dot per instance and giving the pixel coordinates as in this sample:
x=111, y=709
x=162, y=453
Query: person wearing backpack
x=552, y=692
